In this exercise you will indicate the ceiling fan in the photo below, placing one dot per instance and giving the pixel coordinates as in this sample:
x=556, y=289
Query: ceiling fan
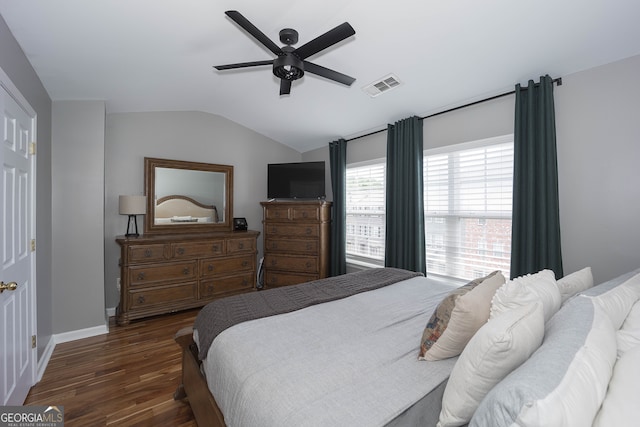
x=290, y=64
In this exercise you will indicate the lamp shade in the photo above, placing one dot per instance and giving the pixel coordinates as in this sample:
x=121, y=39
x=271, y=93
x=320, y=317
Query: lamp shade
x=133, y=205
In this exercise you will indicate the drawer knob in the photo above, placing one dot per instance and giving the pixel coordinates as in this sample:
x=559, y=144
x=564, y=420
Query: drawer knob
x=245, y=282
x=274, y=229
x=186, y=271
x=210, y=267
x=308, y=264
x=210, y=288
x=141, y=275
x=180, y=251
x=304, y=214
x=141, y=299
x=240, y=245
x=147, y=253
x=215, y=248
x=274, y=245
x=308, y=231
x=245, y=263
x=274, y=262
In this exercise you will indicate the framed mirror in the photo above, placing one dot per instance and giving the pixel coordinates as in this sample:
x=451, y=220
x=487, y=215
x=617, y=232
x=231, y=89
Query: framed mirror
x=187, y=197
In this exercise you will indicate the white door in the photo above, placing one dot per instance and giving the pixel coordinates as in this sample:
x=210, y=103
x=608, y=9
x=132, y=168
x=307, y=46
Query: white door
x=17, y=308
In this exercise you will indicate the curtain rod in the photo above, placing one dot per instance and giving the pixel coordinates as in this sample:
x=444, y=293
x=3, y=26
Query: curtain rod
x=557, y=81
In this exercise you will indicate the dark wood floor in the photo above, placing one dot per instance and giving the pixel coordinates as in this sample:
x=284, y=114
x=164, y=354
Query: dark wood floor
x=124, y=378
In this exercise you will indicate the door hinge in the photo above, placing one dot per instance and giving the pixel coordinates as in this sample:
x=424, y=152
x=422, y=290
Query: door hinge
x=33, y=341
x=33, y=245
x=32, y=148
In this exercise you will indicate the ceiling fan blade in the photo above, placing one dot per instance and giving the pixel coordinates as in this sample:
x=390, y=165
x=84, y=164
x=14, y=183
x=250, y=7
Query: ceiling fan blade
x=285, y=87
x=243, y=65
x=328, y=73
x=254, y=31
x=329, y=38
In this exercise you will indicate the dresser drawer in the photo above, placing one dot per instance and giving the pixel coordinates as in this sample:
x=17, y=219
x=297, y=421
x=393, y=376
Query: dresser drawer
x=198, y=249
x=143, y=274
x=241, y=245
x=299, y=246
x=305, y=213
x=310, y=230
x=273, y=279
x=214, y=266
x=167, y=294
x=223, y=285
x=277, y=213
x=298, y=264
x=150, y=253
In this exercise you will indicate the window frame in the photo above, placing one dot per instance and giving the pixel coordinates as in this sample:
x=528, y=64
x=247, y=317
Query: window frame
x=432, y=218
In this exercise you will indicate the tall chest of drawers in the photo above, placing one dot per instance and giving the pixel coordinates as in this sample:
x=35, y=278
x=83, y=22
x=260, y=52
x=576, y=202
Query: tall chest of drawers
x=162, y=274
x=296, y=241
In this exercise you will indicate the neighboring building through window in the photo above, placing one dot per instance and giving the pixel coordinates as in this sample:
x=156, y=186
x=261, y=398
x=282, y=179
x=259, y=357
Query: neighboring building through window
x=467, y=197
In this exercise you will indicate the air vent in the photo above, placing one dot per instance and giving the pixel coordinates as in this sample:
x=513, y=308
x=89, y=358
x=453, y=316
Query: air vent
x=385, y=84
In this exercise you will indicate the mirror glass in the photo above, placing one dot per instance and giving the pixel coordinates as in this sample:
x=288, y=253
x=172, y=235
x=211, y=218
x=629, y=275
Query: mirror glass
x=187, y=196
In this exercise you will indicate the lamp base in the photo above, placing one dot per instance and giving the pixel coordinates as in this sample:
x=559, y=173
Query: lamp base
x=132, y=219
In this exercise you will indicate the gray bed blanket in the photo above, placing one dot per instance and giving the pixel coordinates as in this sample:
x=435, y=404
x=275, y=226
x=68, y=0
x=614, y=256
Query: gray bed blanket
x=221, y=314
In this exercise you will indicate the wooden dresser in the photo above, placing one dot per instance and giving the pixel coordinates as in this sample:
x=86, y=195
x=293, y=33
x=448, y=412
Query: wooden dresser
x=166, y=273
x=296, y=241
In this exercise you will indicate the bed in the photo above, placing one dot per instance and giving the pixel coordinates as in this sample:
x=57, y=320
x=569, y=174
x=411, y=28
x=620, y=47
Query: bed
x=530, y=351
x=318, y=361
x=177, y=209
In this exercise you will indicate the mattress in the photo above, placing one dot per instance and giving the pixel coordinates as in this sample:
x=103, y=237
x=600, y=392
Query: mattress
x=353, y=361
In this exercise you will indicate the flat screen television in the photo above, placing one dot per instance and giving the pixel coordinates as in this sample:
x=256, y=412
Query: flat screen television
x=304, y=180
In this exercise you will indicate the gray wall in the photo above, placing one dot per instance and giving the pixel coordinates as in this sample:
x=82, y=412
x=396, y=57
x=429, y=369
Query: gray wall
x=191, y=136
x=78, y=215
x=598, y=138
x=15, y=64
x=598, y=132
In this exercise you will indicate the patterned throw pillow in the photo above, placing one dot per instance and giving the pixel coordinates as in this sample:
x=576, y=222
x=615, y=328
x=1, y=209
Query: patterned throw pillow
x=442, y=314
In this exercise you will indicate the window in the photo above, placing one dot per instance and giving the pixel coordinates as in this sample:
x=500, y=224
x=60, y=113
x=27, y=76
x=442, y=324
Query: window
x=365, y=206
x=467, y=198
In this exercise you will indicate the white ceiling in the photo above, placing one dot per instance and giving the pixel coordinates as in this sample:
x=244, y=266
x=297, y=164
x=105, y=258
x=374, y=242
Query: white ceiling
x=157, y=55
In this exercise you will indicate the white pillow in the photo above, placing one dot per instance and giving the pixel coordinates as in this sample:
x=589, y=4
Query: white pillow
x=499, y=347
x=527, y=289
x=468, y=315
x=580, y=392
x=620, y=406
x=617, y=302
x=628, y=336
x=573, y=283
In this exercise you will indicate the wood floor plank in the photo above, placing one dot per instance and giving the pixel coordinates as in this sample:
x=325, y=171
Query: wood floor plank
x=124, y=378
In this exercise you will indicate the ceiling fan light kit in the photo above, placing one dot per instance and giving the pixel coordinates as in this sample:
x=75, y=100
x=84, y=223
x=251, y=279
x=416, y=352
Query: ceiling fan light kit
x=290, y=64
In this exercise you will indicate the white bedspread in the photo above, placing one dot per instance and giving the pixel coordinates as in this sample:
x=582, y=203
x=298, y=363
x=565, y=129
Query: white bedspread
x=344, y=363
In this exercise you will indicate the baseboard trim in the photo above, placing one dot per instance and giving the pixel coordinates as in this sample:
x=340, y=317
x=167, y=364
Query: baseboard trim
x=80, y=334
x=111, y=312
x=43, y=361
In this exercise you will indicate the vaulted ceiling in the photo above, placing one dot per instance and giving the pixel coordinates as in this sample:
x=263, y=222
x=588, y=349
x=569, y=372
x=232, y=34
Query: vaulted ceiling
x=158, y=55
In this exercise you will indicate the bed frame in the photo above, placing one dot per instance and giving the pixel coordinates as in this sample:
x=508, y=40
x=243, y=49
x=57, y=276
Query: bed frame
x=194, y=387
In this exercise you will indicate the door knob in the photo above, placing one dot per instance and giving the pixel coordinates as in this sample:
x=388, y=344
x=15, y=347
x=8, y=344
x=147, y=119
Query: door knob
x=11, y=286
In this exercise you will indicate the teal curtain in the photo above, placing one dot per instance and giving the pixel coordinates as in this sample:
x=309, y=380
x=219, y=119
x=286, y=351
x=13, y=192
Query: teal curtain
x=404, y=234
x=535, y=240
x=338, y=162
